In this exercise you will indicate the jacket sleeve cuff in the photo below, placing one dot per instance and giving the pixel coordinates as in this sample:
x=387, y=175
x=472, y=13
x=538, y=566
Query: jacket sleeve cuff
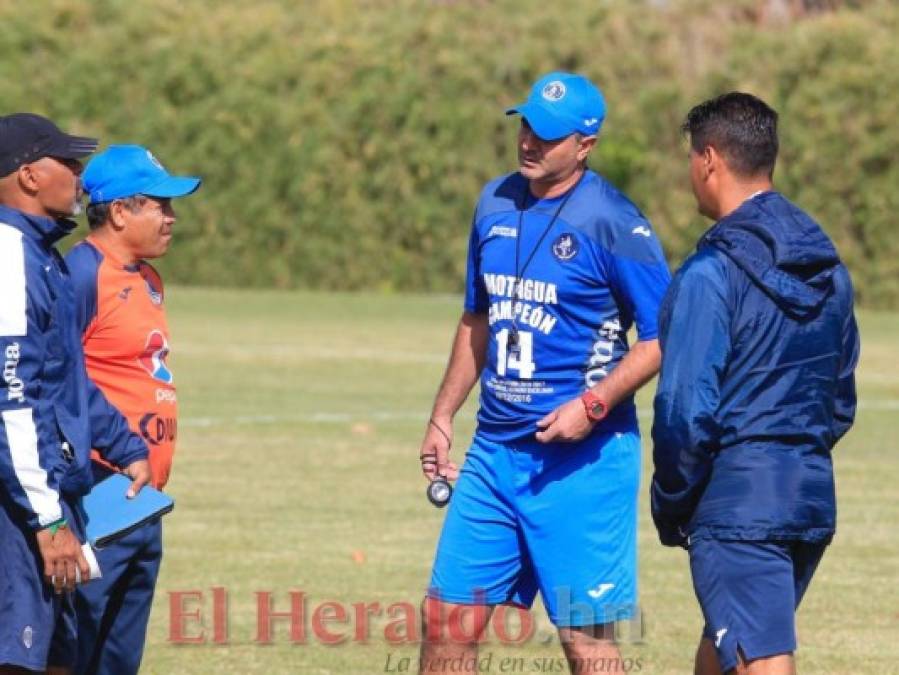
x=669, y=518
x=38, y=521
x=133, y=450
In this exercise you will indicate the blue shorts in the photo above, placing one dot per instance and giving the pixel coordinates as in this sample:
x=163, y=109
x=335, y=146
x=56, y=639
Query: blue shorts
x=749, y=592
x=558, y=518
x=37, y=627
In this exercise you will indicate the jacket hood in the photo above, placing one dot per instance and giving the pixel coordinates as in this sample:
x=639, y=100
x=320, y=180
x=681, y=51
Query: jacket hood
x=781, y=249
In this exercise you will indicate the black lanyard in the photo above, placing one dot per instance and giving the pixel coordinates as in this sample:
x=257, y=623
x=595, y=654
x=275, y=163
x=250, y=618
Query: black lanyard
x=512, y=340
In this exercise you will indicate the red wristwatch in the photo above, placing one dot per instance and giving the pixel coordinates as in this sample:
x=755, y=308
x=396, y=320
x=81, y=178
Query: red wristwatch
x=595, y=407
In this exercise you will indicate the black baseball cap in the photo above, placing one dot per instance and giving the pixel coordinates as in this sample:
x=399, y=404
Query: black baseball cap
x=26, y=137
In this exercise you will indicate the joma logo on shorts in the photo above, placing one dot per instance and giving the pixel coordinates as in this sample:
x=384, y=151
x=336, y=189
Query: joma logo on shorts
x=15, y=388
x=600, y=590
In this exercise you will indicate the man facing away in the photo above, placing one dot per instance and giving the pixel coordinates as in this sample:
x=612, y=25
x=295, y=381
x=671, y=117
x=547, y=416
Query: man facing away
x=560, y=266
x=50, y=413
x=121, y=317
x=759, y=346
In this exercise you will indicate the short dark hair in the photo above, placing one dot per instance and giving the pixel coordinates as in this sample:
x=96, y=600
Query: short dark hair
x=97, y=214
x=742, y=127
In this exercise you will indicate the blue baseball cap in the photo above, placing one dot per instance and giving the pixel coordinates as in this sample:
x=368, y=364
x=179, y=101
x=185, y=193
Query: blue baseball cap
x=127, y=170
x=561, y=104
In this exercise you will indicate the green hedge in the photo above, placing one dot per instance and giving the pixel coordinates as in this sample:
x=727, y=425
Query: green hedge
x=343, y=144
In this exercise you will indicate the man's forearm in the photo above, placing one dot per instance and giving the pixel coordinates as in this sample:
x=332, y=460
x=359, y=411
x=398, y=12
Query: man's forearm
x=636, y=369
x=465, y=364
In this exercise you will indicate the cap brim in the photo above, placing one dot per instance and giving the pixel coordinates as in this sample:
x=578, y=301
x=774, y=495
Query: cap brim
x=547, y=126
x=72, y=147
x=174, y=186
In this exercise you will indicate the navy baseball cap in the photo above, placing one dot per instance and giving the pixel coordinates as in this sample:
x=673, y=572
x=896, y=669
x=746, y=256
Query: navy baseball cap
x=561, y=104
x=26, y=138
x=127, y=170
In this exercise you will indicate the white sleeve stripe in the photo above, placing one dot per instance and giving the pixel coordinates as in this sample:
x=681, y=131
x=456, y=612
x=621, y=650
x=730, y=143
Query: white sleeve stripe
x=22, y=437
x=13, y=302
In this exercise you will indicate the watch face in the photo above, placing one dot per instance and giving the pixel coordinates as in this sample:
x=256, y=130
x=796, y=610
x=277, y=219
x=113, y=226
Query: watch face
x=593, y=406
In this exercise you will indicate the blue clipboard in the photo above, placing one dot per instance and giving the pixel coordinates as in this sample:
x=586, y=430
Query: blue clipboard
x=109, y=514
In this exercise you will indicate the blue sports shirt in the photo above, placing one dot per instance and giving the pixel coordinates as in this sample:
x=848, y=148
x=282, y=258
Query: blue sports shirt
x=580, y=285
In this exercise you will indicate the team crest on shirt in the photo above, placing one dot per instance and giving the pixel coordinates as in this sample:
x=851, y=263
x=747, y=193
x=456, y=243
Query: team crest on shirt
x=154, y=293
x=565, y=247
x=154, y=355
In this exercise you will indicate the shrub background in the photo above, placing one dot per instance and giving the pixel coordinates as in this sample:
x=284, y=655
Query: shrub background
x=343, y=144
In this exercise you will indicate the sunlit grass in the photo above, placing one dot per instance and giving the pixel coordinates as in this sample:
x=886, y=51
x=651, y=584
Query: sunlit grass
x=297, y=470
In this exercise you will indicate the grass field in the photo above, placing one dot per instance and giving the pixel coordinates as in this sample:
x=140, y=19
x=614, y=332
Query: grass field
x=297, y=470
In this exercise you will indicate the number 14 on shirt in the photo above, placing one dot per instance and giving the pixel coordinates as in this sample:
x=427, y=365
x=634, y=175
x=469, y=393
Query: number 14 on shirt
x=520, y=357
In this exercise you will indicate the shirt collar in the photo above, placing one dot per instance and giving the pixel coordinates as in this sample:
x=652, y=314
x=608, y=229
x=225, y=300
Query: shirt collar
x=108, y=253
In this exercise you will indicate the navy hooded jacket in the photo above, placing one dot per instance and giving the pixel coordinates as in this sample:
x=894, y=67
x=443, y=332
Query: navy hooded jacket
x=759, y=346
x=51, y=414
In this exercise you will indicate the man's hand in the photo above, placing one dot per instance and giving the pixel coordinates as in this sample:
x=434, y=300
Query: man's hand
x=568, y=422
x=61, y=554
x=140, y=475
x=434, y=452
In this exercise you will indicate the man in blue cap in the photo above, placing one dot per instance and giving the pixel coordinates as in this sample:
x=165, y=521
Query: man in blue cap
x=50, y=413
x=560, y=266
x=120, y=313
